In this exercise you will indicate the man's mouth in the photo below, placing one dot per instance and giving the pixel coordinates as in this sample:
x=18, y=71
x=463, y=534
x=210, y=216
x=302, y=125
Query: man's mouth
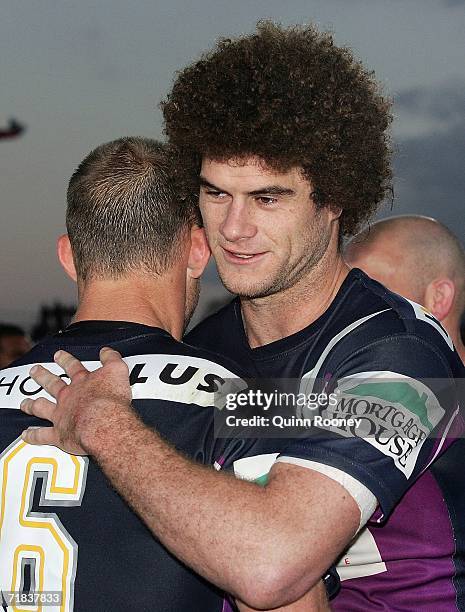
x=241, y=258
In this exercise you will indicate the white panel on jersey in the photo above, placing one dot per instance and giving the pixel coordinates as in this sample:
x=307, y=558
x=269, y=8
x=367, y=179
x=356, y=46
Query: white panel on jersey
x=394, y=413
x=176, y=378
x=254, y=468
x=362, y=496
x=361, y=559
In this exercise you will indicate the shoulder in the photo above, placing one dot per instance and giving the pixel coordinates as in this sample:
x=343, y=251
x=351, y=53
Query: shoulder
x=411, y=317
x=379, y=329
x=142, y=348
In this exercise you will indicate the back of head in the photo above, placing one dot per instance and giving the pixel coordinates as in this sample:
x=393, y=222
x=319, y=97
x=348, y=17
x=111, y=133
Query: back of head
x=407, y=253
x=294, y=99
x=124, y=213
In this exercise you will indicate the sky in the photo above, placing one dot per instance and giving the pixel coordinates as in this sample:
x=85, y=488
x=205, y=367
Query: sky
x=79, y=74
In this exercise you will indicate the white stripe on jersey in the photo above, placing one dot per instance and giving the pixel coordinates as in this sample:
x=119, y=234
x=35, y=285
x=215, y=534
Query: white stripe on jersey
x=308, y=379
x=362, y=496
x=176, y=378
x=422, y=314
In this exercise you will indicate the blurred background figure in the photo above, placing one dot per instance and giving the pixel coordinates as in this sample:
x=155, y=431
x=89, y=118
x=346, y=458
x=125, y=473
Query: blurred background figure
x=52, y=319
x=420, y=259
x=13, y=343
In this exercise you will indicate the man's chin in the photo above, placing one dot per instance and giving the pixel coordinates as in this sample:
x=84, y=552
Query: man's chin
x=246, y=287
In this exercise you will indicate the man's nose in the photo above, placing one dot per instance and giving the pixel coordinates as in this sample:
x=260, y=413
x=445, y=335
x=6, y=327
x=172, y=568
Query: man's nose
x=238, y=222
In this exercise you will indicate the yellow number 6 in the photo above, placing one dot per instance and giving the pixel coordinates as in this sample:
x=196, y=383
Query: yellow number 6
x=37, y=540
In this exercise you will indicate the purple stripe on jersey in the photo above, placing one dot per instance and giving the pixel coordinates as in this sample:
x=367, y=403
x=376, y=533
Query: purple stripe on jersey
x=227, y=606
x=416, y=544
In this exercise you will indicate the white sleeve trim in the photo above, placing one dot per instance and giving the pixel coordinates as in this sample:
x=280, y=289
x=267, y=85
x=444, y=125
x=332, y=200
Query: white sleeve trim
x=363, y=497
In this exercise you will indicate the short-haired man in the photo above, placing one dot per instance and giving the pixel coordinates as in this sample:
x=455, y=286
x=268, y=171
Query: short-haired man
x=287, y=132
x=136, y=254
x=419, y=258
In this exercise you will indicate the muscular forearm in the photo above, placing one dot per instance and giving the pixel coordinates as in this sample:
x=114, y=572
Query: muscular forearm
x=267, y=546
x=232, y=532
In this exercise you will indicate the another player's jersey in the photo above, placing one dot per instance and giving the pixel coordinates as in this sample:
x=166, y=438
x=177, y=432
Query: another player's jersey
x=390, y=365
x=64, y=531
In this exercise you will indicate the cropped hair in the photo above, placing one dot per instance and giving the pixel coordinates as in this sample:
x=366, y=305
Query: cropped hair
x=124, y=212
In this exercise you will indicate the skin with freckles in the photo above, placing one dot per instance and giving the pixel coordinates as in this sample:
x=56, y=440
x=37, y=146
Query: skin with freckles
x=239, y=520
x=249, y=210
x=279, y=251
x=66, y=422
x=264, y=562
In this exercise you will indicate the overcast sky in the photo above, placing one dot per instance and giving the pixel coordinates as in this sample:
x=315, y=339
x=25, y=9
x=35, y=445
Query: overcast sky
x=82, y=73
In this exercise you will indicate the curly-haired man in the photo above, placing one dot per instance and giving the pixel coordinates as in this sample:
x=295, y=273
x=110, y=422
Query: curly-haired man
x=286, y=133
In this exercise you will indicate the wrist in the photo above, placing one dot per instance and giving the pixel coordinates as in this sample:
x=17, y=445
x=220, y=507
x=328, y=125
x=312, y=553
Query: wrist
x=100, y=431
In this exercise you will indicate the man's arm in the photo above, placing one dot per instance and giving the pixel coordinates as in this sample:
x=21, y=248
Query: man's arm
x=316, y=600
x=267, y=546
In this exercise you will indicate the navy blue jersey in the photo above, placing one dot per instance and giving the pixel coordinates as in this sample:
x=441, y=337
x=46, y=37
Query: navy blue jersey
x=391, y=367
x=62, y=526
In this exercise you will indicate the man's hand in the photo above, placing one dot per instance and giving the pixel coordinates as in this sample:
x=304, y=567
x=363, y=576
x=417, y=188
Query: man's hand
x=266, y=546
x=85, y=408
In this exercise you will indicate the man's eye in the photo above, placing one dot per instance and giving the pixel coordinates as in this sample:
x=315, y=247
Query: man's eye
x=267, y=200
x=217, y=195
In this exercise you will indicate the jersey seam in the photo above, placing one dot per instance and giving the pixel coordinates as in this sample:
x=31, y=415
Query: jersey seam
x=407, y=335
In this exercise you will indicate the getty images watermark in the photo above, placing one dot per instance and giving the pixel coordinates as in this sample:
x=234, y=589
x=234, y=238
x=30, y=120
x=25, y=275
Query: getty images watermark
x=392, y=409
x=271, y=401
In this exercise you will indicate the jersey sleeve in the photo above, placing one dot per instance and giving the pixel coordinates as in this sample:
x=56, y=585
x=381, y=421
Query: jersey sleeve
x=392, y=408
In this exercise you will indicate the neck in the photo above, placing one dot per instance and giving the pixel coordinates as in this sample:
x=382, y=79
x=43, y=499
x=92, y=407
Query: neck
x=287, y=312
x=149, y=300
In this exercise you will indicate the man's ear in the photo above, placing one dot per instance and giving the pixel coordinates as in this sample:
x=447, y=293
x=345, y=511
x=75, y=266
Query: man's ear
x=199, y=253
x=65, y=256
x=335, y=211
x=439, y=297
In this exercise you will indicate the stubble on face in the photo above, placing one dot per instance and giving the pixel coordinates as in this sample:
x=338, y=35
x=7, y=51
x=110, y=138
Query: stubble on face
x=294, y=233
x=309, y=247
